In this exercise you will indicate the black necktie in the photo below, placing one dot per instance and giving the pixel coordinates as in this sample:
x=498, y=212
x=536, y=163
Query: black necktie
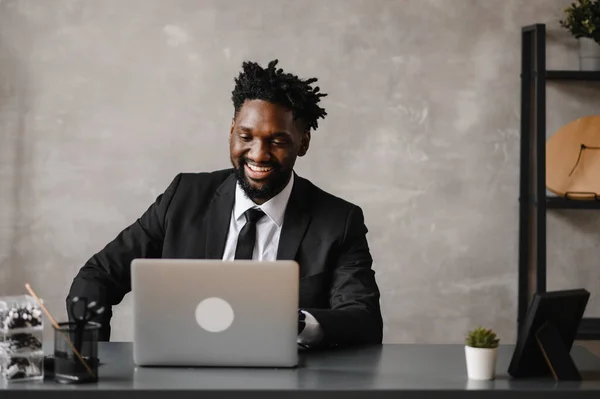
x=247, y=237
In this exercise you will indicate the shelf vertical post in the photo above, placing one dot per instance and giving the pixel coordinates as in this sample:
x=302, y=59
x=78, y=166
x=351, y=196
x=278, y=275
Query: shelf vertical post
x=524, y=178
x=540, y=138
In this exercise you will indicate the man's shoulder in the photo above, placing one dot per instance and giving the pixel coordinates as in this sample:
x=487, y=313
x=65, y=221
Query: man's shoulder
x=204, y=178
x=327, y=200
x=333, y=211
x=195, y=184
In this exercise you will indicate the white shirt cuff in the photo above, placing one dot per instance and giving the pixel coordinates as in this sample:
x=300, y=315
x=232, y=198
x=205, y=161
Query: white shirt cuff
x=312, y=333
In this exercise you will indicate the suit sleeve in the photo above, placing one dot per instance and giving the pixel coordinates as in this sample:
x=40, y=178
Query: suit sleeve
x=354, y=316
x=105, y=277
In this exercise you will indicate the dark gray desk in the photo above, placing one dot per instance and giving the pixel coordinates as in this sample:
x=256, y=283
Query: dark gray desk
x=398, y=371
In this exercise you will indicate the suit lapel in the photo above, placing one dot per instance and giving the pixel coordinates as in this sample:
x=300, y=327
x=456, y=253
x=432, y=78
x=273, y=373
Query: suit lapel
x=296, y=219
x=219, y=217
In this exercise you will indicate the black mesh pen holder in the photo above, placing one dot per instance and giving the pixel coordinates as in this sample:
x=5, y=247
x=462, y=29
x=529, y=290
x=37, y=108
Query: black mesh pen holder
x=70, y=340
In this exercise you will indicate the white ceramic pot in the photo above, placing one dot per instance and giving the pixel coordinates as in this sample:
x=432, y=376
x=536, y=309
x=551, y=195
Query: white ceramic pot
x=481, y=363
x=589, y=54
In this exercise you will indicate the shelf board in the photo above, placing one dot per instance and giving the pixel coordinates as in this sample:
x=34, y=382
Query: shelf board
x=563, y=203
x=572, y=75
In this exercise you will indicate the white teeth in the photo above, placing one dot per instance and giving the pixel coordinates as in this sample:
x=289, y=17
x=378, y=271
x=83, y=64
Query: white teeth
x=258, y=168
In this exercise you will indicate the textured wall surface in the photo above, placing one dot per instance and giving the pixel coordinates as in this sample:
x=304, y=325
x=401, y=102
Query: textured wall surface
x=103, y=102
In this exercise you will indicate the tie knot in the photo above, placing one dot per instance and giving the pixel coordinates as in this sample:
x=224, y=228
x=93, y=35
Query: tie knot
x=253, y=215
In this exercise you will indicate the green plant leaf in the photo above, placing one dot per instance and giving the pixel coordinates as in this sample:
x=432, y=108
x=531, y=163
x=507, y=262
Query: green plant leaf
x=582, y=19
x=482, y=338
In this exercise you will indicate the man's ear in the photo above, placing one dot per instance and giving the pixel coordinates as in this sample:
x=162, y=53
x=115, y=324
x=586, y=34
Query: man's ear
x=304, y=144
x=232, y=126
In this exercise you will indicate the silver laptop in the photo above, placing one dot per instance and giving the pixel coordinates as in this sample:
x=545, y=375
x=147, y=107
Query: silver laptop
x=215, y=313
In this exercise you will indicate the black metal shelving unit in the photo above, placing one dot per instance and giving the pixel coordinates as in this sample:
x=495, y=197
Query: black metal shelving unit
x=532, y=210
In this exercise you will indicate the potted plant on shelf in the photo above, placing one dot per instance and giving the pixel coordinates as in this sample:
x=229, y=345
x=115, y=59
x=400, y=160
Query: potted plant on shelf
x=582, y=19
x=481, y=351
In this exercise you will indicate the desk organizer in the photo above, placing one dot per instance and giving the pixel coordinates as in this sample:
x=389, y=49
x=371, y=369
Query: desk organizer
x=21, y=337
x=68, y=367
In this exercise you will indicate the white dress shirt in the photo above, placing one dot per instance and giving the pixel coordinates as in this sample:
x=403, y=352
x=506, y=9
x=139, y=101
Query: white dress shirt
x=268, y=230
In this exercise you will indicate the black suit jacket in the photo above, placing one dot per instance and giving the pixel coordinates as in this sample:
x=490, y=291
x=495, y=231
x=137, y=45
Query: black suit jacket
x=324, y=234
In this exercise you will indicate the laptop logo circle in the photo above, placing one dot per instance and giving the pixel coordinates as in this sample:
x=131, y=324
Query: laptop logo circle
x=214, y=314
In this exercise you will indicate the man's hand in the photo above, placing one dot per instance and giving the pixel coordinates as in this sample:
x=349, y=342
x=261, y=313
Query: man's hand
x=301, y=321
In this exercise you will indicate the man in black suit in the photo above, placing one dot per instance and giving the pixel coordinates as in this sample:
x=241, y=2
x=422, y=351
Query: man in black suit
x=260, y=209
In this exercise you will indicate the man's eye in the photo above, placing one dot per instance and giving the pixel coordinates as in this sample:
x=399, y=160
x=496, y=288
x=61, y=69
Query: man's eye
x=280, y=142
x=245, y=138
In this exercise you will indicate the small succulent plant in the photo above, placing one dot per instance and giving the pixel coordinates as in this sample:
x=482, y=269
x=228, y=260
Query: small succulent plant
x=482, y=338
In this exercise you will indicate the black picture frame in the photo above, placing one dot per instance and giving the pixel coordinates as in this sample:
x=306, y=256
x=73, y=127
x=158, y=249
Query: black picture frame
x=547, y=335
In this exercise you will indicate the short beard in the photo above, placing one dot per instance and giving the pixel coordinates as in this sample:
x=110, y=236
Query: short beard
x=269, y=190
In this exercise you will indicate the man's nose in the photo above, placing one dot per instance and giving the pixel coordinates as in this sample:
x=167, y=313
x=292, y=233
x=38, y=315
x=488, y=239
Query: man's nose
x=259, y=152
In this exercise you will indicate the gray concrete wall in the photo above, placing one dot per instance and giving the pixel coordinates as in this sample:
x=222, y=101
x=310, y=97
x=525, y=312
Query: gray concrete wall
x=103, y=102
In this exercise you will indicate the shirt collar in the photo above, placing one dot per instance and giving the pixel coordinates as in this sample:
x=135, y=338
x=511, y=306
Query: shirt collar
x=273, y=208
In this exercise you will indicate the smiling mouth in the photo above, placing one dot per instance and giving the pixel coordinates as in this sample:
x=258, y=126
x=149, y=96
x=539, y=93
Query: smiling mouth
x=257, y=172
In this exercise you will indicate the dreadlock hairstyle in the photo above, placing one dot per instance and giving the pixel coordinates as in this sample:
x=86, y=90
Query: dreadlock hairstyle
x=285, y=89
